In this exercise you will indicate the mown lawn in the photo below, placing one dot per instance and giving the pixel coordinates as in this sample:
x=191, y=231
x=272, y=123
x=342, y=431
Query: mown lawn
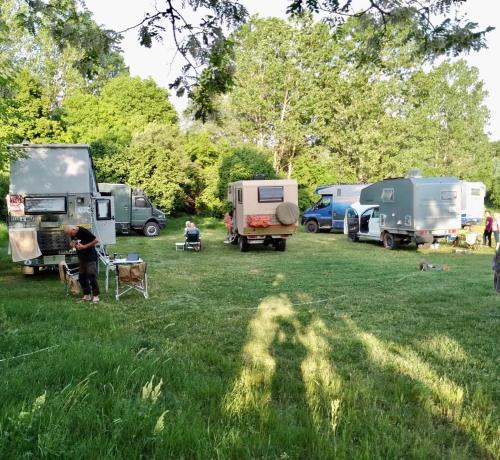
x=329, y=350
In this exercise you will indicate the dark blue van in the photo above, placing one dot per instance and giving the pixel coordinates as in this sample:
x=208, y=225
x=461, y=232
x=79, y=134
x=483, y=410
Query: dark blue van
x=328, y=213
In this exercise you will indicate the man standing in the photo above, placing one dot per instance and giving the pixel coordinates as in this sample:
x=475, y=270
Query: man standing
x=84, y=242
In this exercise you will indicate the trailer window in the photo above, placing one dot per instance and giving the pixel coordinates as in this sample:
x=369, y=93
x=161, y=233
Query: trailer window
x=141, y=202
x=103, y=209
x=239, y=194
x=448, y=195
x=387, y=195
x=351, y=214
x=475, y=191
x=270, y=194
x=45, y=205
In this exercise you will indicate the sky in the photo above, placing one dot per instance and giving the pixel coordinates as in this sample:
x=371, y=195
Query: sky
x=162, y=64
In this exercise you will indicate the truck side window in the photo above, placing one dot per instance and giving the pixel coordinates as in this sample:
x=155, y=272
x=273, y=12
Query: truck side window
x=103, y=209
x=387, y=195
x=141, y=202
x=324, y=202
x=448, y=195
x=376, y=213
x=270, y=194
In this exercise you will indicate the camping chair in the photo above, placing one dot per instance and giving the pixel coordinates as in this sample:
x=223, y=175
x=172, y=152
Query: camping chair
x=70, y=277
x=131, y=276
x=471, y=240
x=193, y=240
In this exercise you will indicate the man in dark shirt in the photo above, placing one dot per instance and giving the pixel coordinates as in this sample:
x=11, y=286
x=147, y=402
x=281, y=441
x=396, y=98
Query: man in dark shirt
x=84, y=242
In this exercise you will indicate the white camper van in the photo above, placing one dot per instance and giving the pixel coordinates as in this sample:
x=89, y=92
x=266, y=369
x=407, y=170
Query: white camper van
x=52, y=185
x=264, y=212
x=473, y=194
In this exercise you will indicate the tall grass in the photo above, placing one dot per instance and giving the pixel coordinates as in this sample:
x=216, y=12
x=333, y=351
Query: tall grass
x=329, y=350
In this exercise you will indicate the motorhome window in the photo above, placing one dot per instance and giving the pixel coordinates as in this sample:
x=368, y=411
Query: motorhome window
x=376, y=213
x=141, y=202
x=45, y=205
x=270, y=194
x=448, y=195
x=240, y=195
x=324, y=202
x=387, y=195
x=103, y=208
x=475, y=191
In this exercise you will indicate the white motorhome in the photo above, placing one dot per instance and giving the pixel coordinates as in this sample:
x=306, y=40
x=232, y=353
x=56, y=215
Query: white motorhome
x=52, y=185
x=472, y=202
x=264, y=212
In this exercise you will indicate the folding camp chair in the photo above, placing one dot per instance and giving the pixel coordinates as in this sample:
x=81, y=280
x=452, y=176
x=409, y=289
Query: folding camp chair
x=193, y=241
x=472, y=240
x=131, y=276
x=69, y=276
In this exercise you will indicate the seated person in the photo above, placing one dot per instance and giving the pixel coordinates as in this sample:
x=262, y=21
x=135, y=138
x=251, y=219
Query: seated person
x=186, y=227
x=192, y=234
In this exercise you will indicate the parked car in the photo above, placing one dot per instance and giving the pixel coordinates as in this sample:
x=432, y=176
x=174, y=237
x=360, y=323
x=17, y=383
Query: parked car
x=328, y=213
x=133, y=210
x=52, y=185
x=264, y=212
x=402, y=210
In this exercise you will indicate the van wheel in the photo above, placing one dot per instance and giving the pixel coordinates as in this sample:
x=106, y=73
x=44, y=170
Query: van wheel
x=280, y=245
x=389, y=241
x=243, y=243
x=311, y=226
x=151, y=229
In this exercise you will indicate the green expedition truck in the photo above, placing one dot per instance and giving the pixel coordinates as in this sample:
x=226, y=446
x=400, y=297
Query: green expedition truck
x=133, y=210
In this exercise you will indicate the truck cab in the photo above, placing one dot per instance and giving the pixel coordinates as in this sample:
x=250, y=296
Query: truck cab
x=134, y=210
x=329, y=211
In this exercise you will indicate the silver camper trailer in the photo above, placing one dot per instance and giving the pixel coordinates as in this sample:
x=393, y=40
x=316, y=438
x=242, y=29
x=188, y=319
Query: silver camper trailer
x=402, y=210
x=52, y=185
x=264, y=212
x=472, y=208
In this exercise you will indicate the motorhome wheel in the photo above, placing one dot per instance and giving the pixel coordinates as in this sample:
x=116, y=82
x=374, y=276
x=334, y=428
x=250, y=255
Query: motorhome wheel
x=311, y=226
x=353, y=237
x=280, y=245
x=389, y=241
x=243, y=243
x=151, y=229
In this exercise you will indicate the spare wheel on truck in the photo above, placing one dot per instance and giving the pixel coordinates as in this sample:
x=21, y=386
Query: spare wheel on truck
x=287, y=213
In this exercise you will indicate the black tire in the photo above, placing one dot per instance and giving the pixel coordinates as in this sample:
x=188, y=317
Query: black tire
x=280, y=245
x=389, y=241
x=235, y=240
x=311, y=226
x=243, y=244
x=353, y=237
x=151, y=229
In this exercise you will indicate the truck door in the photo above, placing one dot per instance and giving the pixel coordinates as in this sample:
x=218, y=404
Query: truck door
x=374, y=224
x=103, y=210
x=141, y=211
x=324, y=211
x=352, y=222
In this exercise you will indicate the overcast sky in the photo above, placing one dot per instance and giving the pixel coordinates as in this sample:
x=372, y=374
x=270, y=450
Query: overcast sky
x=163, y=65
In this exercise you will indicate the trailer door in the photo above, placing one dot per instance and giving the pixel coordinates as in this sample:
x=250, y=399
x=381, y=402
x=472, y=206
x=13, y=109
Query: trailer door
x=103, y=211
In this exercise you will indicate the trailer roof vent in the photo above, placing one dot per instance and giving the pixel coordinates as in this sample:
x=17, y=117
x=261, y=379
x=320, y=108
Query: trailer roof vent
x=259, y=177
x=414, y=172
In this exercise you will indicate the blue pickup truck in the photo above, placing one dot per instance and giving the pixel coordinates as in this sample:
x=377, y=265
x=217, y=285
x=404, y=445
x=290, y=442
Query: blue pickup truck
x=328, y=213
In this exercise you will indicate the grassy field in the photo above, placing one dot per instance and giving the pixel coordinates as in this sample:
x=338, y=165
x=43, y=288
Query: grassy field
x=329, y=350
